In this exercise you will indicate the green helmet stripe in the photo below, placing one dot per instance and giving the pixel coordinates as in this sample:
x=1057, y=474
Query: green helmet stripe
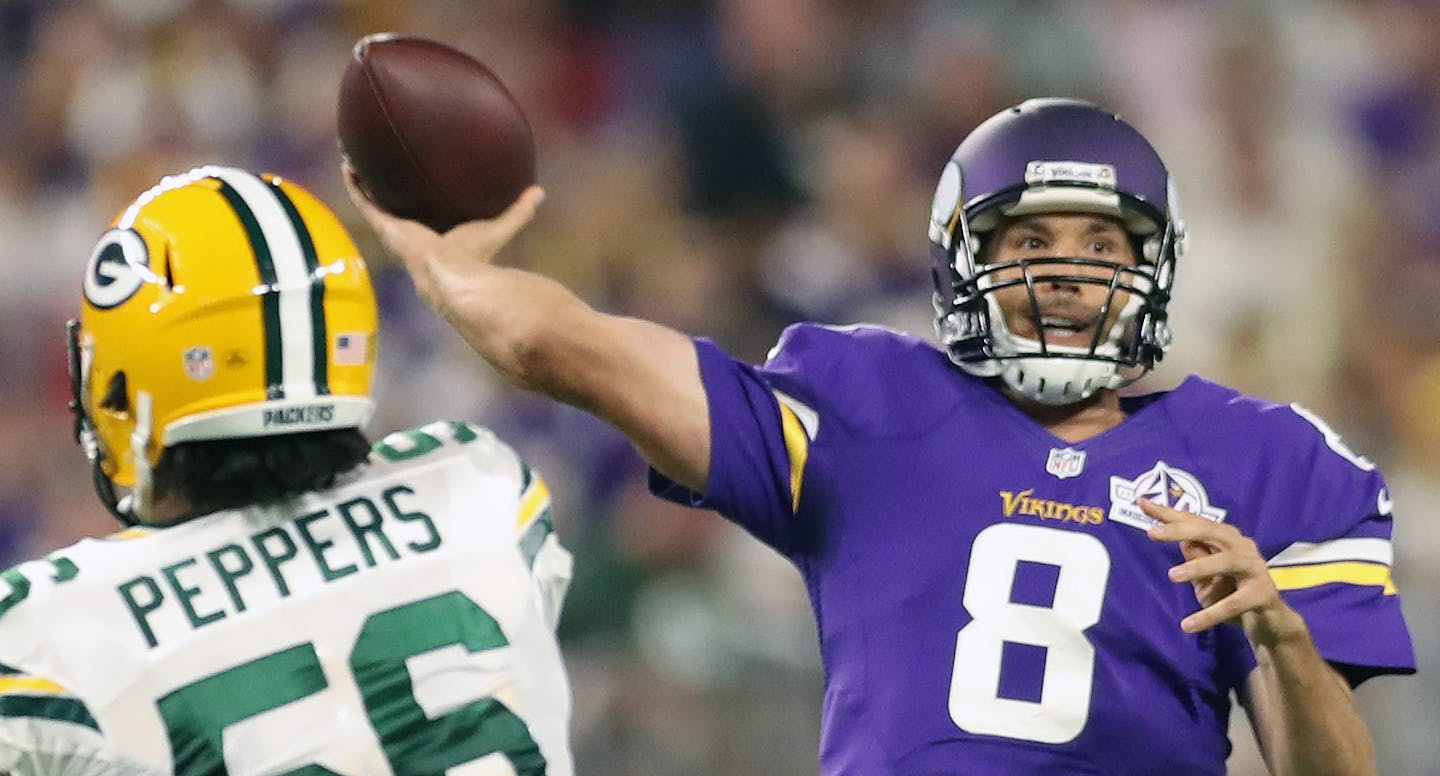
x=319, y=339
x=270, y=299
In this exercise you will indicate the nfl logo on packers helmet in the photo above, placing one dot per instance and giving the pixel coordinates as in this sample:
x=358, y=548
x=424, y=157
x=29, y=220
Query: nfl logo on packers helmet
x=199, y=363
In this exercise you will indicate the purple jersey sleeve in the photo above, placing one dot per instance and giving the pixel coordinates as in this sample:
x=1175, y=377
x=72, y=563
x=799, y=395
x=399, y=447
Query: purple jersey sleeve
x=751, y=473
x=1335, y=567
x=770, y=423
x=1322, y=519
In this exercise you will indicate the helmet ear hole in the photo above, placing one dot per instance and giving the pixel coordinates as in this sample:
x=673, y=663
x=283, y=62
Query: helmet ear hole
x=169, y=267
x=117, y=395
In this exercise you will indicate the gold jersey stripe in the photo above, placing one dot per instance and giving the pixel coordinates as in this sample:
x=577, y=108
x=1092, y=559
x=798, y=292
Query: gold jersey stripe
x=797, y=445
x=533, y=502
x=1347, y=572
x=29, y=685
x=134, y=532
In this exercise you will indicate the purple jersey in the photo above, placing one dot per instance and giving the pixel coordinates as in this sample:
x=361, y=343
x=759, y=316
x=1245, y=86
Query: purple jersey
x=987, y=597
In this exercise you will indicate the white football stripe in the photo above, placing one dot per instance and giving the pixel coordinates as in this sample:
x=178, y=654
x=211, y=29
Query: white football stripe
x=297, y=330
x=1306, y=553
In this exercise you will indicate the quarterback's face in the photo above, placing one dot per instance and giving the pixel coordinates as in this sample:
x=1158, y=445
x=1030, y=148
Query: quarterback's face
x=1068, y=310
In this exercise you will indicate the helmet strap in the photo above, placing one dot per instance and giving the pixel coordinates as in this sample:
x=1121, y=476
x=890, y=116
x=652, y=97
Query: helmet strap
x=85, y=429
x=142, y=497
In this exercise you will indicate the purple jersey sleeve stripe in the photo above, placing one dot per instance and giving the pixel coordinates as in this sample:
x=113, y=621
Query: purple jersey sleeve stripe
x=797, y=446
x=1342, y=572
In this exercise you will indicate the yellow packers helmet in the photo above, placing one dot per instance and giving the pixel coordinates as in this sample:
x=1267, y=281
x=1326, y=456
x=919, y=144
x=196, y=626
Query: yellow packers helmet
x=219, y=304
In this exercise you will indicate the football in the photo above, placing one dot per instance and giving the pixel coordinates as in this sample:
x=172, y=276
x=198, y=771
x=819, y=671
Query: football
x=432, y=134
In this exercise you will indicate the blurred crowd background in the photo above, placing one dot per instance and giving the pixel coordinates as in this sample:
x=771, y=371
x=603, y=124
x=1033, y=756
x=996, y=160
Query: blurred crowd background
x=728, y=167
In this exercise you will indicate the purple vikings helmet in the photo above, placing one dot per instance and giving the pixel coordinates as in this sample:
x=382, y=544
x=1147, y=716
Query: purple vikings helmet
x=1051, y=156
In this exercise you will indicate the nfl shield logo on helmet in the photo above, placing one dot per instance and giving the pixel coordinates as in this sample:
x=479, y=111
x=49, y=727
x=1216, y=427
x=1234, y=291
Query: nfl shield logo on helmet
x=1065, y=462
x=199, y=363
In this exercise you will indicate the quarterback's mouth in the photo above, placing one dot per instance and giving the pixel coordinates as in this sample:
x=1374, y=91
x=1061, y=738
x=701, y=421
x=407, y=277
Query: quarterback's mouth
x=1067, y=329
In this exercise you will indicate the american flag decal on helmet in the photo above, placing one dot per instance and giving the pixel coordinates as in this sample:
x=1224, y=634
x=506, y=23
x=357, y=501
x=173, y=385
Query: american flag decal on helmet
x=351, y=349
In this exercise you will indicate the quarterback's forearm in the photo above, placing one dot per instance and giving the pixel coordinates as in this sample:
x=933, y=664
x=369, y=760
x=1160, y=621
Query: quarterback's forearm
x=640, y=376
x=507, y=316
x=1304, y=713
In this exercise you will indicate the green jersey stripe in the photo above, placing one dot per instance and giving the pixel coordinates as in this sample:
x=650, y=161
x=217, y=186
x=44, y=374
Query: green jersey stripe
x=534, y=537
x=55, y=709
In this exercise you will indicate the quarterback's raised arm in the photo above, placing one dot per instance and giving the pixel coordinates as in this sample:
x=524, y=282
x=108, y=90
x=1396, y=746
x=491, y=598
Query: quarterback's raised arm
x=640, y=376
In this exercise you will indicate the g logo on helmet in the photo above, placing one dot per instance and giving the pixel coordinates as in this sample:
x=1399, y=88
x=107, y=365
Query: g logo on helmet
x=118, y=267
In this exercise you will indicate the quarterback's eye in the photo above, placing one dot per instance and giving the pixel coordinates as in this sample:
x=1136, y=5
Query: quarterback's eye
x=1031, y=243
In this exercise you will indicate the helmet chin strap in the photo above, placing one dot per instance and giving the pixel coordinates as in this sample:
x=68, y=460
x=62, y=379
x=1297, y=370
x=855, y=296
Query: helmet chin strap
x=1058, y=382
x=85, y=436
x=140, y=500
x=104, y=488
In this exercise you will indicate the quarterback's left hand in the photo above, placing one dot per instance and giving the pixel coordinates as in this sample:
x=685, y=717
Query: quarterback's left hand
x=1230, y=577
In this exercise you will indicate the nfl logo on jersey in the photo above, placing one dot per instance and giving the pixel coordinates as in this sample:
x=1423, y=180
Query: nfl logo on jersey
x=1065, y=462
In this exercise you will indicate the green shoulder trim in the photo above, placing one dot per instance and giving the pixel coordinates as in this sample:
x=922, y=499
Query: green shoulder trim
x=534, y=536
x=70, y=710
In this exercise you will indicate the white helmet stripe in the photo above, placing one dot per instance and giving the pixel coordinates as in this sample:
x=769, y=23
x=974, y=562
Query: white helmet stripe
x=293, y=280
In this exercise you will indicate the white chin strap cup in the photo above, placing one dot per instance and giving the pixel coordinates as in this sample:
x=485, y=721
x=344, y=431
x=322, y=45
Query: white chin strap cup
x=1059, y=381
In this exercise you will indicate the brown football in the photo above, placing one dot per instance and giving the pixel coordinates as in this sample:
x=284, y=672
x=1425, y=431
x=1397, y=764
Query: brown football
x=433, y=135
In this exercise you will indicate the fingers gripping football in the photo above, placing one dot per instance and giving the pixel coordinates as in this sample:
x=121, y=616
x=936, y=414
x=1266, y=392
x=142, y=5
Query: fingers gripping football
x=1231, y=579
x=440, y=265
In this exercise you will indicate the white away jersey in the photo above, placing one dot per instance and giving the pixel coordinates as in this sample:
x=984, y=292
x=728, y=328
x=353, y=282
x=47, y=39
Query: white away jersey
x=401, y=622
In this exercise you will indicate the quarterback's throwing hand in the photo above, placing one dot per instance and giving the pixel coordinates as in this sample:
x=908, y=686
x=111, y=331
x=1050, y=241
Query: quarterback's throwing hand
x=1230, y=577
x=441, y=264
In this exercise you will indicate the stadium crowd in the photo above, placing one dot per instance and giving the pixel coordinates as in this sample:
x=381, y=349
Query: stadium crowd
x=729, y=167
